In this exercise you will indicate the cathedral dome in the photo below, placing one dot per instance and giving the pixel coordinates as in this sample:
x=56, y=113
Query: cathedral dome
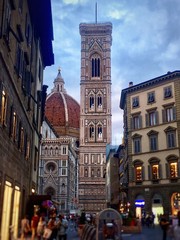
x=62, y=111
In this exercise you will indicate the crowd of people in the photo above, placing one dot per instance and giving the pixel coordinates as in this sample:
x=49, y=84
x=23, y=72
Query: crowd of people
x=39, y=228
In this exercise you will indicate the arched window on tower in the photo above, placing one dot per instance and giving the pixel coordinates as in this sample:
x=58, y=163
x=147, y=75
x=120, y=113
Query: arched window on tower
x=91, y=102
x=99, y=102
x=99, y=132
x=91, y=132
x=95, y=67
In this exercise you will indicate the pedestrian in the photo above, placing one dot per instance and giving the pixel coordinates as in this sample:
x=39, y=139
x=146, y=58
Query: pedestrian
x=25, y=227
x=52, y=225
x=164, y=223
x=176, y=230
x=40, y=228
x=34, y=224
x=62, y=228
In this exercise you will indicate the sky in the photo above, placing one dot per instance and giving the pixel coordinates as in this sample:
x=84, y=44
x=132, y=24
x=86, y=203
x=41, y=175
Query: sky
x=145, y=44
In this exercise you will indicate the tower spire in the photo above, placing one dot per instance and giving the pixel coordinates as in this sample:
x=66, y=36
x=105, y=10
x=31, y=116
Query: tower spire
x=96, y=13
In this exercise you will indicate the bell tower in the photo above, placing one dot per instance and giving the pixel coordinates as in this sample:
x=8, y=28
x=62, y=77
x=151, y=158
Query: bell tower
x=95, y=113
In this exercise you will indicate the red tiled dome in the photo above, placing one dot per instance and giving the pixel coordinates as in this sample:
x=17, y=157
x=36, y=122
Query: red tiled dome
x=62, y=111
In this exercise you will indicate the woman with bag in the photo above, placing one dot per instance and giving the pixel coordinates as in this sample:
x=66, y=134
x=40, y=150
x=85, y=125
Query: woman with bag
x=50, y=231
x=40, y=228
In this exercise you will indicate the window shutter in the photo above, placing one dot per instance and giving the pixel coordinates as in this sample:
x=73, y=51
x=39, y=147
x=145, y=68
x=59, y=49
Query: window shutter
x=10, y=120
x=179, y=169
x=132, y=125
x=147, y=120
x=0, y=101
x=160, y=171
x=143, y=173
x=163, y=116
x=140, y=121
x=174, y=113
x=167, y=170
x=149, y=172
x=157, y=117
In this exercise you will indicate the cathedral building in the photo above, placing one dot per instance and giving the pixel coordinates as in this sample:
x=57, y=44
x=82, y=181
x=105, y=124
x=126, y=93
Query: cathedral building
x=58, y=169
x=95, y=114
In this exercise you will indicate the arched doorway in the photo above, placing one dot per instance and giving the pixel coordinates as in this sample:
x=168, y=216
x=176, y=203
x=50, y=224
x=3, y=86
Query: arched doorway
x=157, y=207
x=175, y=203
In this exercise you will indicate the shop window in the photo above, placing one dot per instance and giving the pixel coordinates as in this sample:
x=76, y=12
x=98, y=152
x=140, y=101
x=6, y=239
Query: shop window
x=168, y=92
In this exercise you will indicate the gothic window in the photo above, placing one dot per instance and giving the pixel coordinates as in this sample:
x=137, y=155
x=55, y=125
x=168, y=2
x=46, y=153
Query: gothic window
x=63, y=163
x=64, y=150
x=151, y=97
x=99, y=102
x=92, y=172
x=168, y=92
x=135, y=102
x=86, y=172
x=91, y=132
x=95, y=66
x=91, y=102
x=50, y=167
x=92, y=158
x=98, y=172
x=99, y=130
x=51, y=151
x=64, y=172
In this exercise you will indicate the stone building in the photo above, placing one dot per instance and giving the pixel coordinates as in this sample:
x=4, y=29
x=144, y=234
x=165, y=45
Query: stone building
x=152, y=144
x=24, y=53
x=95, y=113
x=58, y=169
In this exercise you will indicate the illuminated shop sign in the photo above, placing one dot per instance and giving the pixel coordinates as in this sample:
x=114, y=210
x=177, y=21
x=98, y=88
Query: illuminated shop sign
x=139, y=203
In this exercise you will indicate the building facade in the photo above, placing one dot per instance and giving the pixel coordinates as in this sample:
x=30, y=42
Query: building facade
x=58, y=169
x=152, y=144
x=24, y=53
x=95, y=113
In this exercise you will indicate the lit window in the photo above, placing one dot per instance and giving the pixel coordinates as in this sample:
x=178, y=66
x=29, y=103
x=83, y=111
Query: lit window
x=14, y=126
x=173, y=170
x=138, y=172
x=4, y=108
x=155, y=172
